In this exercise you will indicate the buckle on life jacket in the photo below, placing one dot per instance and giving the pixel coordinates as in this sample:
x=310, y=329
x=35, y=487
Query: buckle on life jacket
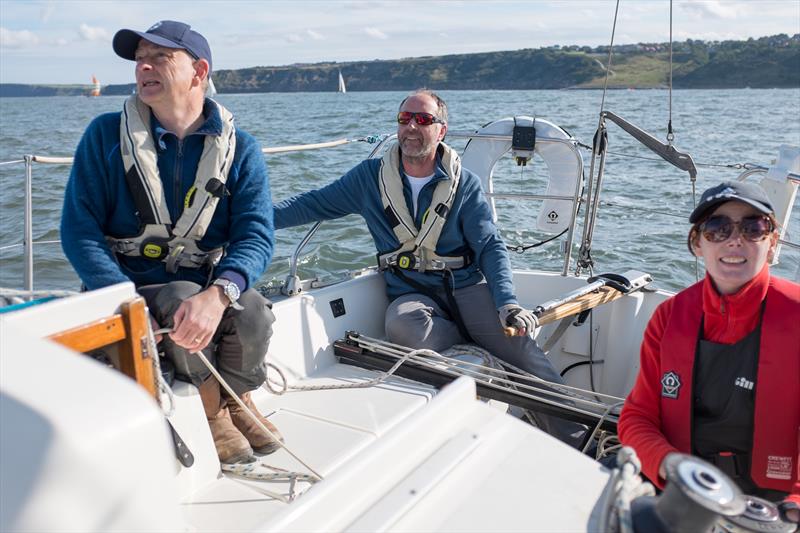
x=406, y=261
x=735, y=465
x=154, y=248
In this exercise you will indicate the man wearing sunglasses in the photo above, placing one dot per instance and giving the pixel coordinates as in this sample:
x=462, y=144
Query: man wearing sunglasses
x=447, y=271
x=720, y=361
x=170, y=195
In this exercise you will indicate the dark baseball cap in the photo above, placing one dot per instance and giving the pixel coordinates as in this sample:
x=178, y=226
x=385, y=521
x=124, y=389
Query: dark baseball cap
x=166, y=33
x=743, y=191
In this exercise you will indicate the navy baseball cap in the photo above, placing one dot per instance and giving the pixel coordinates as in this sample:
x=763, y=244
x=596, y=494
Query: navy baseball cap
x=743, y=191
x=167, y=33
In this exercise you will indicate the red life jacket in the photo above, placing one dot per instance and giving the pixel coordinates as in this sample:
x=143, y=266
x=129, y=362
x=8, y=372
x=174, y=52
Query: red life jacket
x=776, y=429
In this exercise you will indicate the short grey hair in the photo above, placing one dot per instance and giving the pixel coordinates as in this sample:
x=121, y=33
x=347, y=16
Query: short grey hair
x=440, y=104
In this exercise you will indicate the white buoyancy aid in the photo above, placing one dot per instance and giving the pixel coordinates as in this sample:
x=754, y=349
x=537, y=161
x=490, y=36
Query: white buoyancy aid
x=417, y=249
x=159, y=239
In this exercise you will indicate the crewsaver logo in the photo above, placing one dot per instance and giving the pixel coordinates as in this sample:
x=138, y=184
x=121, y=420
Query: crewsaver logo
x=670, y=385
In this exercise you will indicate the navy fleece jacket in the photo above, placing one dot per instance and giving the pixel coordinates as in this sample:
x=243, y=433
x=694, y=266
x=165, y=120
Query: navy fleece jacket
x=97, y=202
x=469, y=227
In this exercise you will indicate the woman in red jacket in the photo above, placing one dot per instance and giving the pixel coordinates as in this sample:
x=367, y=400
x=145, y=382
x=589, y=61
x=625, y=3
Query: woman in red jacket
x=720, y=361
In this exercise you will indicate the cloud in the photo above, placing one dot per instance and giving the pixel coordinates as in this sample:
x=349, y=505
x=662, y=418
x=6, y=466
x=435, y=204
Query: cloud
x=17, y=39
x=93, y=33
x=375, y=33
x=712, y=9
x=294, y=38
x=315, y=35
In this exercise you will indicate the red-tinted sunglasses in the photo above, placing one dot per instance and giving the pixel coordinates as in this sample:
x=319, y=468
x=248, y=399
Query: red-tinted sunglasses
x=423, y=119
x=719, y=228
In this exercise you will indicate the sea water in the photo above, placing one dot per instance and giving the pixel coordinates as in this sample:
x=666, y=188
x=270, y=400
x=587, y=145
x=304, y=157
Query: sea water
x=645, y=202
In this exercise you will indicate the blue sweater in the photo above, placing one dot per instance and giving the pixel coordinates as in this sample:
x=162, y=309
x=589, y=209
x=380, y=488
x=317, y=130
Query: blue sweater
x=469, y=226
x=97, y=202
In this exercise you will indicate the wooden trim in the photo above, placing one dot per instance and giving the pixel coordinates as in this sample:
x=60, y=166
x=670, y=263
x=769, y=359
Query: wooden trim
x=129, y=330
x=103, y=332
x=135, y=358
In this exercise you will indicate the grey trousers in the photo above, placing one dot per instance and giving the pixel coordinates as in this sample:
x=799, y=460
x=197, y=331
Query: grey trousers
x=237, y=349
x=416, y=320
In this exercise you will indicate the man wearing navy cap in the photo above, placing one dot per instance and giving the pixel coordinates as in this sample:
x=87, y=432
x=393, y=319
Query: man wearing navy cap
x=170, y=195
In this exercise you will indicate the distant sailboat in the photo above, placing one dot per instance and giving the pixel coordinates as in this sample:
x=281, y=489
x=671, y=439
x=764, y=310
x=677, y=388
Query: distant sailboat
x=211, y=90
x=95, y=87
x=342, y=88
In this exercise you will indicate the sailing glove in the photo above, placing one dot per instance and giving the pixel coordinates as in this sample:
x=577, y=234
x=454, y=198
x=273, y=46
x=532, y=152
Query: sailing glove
x=512, y=315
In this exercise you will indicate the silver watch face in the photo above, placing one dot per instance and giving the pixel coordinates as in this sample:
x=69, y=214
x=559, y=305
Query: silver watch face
x=232, y=291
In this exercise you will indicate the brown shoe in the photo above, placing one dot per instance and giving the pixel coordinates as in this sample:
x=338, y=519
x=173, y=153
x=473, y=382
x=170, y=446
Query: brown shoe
x=260, y=441
x=232, y=446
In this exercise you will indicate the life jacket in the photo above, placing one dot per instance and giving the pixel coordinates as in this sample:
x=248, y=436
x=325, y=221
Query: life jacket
x=777, y=410
x=417, y=249
x=159, y=239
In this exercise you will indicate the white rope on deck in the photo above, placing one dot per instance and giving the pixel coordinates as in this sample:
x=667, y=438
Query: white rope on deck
x=248, y=469
x=252, y=416
x=517, y=378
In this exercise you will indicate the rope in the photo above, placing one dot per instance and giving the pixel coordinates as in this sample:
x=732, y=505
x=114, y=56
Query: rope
x=370, y=139
x=501, y=379
x=624, y=485
x=523, y=248
x=256, y=471
x=362, y=385
x=247, y=470
x=600, y=423
x=162, y=386
x=252, y=416
x=631, y=488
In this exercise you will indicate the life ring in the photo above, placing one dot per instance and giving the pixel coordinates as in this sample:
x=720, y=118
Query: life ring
x=563, y=160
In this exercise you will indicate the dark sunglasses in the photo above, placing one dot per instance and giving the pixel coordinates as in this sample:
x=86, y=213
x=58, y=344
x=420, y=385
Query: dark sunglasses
x=423, y=119
x=719, y=228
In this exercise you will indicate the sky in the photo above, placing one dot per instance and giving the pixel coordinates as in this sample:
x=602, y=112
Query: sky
x=67, y=41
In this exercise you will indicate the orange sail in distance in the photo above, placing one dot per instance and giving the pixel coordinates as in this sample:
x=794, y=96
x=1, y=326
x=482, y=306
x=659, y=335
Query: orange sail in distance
x=96, y=87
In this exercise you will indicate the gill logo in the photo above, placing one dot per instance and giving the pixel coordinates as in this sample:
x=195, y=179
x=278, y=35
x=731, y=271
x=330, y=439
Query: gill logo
x=153, y=251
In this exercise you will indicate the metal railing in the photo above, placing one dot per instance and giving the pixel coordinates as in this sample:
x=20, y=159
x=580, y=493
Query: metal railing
x=28, y=160
x=383, y=141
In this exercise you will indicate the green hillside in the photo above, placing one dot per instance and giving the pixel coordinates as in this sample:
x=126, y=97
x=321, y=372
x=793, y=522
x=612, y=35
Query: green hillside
x=765, y=62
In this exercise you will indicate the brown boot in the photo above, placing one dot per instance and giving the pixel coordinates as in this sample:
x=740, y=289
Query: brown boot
x=232, y=446
x=258, y=439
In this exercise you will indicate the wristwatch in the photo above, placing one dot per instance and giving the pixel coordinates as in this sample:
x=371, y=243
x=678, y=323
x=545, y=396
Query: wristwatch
x=231, y=292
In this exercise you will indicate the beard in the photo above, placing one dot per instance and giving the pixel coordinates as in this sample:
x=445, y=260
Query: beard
x=417, y=150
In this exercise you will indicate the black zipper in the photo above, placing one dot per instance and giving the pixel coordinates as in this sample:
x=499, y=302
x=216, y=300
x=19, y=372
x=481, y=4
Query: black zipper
x=177, y=182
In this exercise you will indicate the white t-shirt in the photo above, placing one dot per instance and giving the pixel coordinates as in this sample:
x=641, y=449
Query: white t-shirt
x=416, y=185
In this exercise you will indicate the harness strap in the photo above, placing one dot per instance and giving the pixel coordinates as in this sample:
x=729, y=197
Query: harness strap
x=421, y=244
x=450, y=307
x=140, y=158
x=735, y=465
x=159, y=239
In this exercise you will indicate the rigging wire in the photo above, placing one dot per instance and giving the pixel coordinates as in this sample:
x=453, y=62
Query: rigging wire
x=670, y=133
x=608, y=62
